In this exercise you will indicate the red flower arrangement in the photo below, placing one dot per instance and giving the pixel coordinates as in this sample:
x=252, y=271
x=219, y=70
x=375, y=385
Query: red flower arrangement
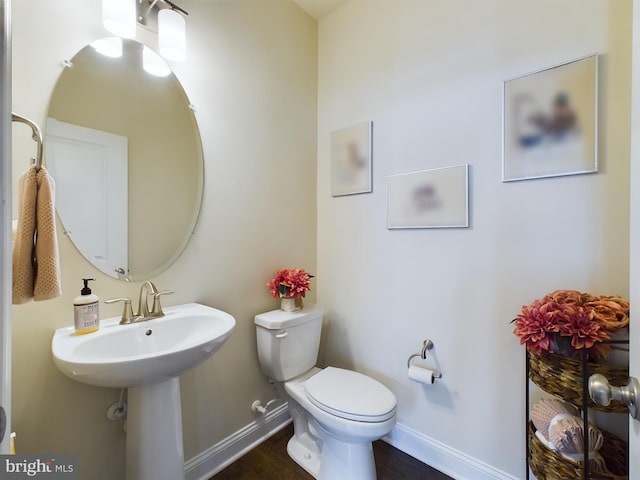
x=290, y=282
x=566, y=321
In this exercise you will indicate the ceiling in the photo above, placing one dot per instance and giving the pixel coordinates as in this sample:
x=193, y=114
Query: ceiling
x=320, y=8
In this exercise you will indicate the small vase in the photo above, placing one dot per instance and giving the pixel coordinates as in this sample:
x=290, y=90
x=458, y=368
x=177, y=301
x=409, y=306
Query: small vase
x=288, y=304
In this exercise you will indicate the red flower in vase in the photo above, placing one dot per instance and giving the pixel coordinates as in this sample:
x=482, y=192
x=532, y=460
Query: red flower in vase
x=290, y=282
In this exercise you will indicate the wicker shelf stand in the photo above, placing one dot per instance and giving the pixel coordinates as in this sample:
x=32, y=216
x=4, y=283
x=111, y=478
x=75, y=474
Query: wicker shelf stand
x=568, y=379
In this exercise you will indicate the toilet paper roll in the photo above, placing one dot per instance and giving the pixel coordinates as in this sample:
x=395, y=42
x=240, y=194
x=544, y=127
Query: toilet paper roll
x=421, y=375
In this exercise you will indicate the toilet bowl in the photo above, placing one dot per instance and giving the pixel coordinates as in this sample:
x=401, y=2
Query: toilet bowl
x=336, y=413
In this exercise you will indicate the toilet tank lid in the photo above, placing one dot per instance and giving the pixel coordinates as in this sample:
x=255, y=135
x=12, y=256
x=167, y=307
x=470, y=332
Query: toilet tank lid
x=279, y=319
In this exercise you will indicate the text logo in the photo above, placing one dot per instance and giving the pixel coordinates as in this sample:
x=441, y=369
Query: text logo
x=44, y=467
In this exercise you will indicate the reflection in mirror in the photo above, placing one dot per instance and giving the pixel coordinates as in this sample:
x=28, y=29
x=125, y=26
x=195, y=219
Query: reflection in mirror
x=124, y=149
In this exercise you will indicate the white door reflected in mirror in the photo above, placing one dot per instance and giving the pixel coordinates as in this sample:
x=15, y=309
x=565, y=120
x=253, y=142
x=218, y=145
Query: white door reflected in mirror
x=93, y=166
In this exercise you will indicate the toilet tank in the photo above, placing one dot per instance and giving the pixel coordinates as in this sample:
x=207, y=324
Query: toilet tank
x=288, y=342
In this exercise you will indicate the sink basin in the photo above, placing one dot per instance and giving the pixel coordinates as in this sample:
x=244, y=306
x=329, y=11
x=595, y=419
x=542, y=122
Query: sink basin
x=145, y=352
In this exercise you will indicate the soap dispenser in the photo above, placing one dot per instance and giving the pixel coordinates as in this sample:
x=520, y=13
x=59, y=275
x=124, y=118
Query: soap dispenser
x=86, y=315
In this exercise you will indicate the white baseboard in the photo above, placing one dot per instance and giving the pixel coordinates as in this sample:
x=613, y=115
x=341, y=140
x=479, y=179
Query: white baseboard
x=442, y=457
x=227, y=451
x=449, y=461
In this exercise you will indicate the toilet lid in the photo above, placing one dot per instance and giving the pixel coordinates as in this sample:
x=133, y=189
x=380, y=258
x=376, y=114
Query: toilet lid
x=350, y=395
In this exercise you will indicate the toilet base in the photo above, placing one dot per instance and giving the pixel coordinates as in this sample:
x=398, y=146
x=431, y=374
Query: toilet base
x=303, y=456
x=342, y=460
x=338, y=460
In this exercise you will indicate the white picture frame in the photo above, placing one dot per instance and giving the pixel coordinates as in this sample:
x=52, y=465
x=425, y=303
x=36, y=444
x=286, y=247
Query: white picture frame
x=351, y=150
x=435, y=198
x=550, y=122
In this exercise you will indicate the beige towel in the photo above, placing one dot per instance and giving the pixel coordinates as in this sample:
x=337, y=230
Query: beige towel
x=36, y=263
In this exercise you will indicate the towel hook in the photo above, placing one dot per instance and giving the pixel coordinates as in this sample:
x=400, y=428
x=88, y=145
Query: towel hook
x=36, y=136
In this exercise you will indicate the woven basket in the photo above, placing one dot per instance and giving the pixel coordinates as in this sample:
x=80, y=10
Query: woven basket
x=562, y=376
x=549, y=465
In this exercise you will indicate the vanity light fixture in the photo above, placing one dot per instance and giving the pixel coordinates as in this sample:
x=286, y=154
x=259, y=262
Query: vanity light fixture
x=120, y=17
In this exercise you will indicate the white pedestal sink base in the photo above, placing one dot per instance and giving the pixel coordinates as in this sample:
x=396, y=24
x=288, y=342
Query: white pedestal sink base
x=154, y=432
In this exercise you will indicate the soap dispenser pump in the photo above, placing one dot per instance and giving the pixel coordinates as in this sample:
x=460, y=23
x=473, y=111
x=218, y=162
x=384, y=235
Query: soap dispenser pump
x=86, y=314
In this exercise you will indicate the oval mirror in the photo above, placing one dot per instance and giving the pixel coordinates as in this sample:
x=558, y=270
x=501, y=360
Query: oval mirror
x=124, y=149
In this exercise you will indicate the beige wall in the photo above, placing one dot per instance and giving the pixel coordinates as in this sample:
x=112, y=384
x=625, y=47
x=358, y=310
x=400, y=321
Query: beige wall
x=251, y=73
x=429, y=75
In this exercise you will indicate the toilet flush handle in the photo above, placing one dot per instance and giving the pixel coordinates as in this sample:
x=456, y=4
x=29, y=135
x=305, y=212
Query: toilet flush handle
x=282, y=334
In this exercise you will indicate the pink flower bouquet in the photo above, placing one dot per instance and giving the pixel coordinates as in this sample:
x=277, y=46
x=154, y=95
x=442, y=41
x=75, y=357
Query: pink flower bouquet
x=566, y=321
x=290, y=282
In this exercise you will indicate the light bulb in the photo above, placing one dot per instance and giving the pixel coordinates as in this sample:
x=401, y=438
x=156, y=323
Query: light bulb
x=153, y=64
x=172, y=35
x=109, y=47
x=119, y=17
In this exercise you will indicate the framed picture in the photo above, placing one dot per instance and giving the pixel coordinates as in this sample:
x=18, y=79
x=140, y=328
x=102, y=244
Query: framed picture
x=437, y=198
x=550, y=122
x=351, y=160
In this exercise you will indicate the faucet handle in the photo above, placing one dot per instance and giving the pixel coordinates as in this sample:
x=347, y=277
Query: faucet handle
x=156, y=309
x=127, y=313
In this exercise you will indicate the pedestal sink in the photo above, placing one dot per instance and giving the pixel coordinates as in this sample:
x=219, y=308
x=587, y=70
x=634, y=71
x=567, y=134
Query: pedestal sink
x=147, y=358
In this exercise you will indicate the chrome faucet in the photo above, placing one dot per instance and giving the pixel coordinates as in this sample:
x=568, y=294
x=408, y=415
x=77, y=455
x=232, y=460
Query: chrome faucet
x=146, y=289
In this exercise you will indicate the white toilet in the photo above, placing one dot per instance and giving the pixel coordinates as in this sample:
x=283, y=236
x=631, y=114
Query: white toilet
x=336, y=413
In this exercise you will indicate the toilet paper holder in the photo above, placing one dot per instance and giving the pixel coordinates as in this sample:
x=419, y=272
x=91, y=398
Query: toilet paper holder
x=426, y=346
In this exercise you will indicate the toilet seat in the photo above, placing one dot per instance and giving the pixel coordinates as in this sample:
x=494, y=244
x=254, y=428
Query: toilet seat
x=350, y=395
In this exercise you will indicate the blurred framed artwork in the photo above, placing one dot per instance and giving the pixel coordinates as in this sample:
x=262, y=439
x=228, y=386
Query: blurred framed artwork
x=550, y=122
x=351, y=160
x=436, y=198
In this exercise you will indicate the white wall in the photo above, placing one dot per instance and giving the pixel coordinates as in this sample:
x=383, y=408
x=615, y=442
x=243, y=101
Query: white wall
x=429, y=75
x=634, y=254
x=251, y=73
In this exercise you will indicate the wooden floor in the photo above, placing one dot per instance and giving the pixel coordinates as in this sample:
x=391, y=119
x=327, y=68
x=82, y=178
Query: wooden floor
x=270, y=461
